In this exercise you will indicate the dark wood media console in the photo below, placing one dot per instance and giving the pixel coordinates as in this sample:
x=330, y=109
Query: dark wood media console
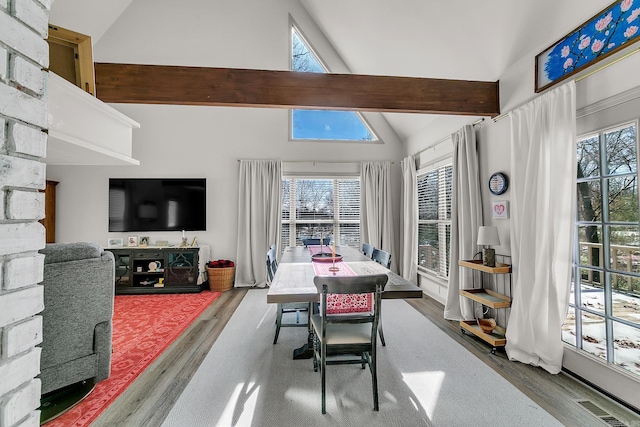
x=156, y=270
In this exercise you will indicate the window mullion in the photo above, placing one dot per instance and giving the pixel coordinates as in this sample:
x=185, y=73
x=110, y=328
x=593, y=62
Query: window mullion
x=336, y=212
x=442, y=214
x=293, y=213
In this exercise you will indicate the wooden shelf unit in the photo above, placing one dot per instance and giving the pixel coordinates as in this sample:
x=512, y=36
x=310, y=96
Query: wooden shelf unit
x=476, y=264
x=487, y=298
x=495, y=338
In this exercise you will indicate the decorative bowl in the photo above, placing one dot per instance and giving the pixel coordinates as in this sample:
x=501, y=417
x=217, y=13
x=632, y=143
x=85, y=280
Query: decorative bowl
x=326, y=257
x=487, y=325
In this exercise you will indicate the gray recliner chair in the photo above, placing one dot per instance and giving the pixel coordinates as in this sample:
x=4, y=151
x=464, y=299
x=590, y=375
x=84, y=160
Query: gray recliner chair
x=78, y=310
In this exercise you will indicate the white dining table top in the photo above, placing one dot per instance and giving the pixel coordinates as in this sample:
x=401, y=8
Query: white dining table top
x=293, y=281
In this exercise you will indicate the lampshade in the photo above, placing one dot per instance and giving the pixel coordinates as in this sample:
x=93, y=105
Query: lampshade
x=488, y=236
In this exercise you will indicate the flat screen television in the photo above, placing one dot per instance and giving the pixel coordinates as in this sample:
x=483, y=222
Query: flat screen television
x=157, y=204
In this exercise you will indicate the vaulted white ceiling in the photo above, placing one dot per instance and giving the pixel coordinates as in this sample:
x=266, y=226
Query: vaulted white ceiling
x=452, y=39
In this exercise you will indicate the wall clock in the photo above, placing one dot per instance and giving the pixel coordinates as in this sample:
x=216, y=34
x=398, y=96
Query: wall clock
x=498, y=183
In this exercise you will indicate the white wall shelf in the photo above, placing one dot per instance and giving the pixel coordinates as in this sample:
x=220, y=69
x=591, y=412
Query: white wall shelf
x=84, y=130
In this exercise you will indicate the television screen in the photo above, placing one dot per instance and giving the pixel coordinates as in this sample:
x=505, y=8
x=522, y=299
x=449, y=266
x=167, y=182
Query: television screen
x=154, y=204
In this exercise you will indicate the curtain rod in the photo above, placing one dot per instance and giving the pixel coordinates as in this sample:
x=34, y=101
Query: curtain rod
x=446, y=138
x=577, y=79
x=317, y=161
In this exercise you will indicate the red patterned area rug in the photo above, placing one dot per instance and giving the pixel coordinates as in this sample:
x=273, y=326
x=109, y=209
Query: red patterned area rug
x=143, y=327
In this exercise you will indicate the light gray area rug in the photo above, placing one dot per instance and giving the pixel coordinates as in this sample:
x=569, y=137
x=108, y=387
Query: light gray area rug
x=425, y=379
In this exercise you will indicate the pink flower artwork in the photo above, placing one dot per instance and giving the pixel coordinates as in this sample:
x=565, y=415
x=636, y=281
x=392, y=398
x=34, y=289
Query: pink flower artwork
x=568, y=63
x=597, y=46
x=631, y=31
x=604, y=22
x=584, y=42
x=605, y=33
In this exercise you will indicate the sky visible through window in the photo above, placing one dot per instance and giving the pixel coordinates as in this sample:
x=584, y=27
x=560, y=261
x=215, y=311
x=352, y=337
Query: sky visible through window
x=322, y=124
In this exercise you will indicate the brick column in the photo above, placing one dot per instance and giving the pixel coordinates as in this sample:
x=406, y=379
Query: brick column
x=24, y=54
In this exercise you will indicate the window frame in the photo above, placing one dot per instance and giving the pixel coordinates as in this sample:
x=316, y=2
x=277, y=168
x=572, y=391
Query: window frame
x=605, y=269
x=293, y=26
x=440, y=165
x=335, y=222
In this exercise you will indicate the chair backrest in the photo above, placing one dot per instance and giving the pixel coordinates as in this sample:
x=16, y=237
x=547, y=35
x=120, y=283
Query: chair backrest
x=316, y=241
x=367, y=249
x=382, y=257
x=369, y=284
x=272, y=263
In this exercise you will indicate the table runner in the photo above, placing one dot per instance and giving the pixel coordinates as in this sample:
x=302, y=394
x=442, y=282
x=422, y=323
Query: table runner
x=344, y=303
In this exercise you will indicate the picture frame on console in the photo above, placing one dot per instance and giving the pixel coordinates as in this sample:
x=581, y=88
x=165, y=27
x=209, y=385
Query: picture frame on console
x=115, y=242
x=132, y=241
x=144, y=241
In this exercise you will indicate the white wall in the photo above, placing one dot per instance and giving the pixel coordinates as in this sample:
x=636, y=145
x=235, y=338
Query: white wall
x=184, y=141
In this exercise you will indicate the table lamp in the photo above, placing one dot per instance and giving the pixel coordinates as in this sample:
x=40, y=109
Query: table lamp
x=488, y=235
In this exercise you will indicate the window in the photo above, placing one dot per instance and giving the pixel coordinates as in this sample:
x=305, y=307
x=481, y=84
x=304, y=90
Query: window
x=604, y=312
x=434, y=219
x=322, y=124
x=315, y=207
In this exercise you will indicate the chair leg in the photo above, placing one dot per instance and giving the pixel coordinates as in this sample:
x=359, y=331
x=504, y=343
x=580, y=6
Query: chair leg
x=381, y=334
x=380, y=328
x=278, y=322
x=316, y=353
x=323, y=372
x=374, y=379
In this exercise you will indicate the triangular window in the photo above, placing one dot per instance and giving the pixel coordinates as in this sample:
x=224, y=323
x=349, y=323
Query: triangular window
x=326, y=125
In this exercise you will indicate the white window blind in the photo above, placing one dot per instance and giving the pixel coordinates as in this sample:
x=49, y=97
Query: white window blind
x=321, y=207
x=434, y=219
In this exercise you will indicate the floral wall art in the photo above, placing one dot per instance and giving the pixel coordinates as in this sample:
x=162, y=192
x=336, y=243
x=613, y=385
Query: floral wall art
x=611, y=30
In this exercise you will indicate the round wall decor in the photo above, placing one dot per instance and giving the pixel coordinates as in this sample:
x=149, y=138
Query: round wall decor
x=498, y=183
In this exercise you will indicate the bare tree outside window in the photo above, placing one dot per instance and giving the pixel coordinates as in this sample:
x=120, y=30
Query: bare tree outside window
x=314, y=208
x=605, y=303
x=322, y=124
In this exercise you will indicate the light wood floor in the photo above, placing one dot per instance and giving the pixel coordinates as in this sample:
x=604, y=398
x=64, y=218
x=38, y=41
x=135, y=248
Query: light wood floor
x=150, y=398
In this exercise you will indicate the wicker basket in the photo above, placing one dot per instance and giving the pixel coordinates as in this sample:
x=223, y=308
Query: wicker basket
x=221, y=278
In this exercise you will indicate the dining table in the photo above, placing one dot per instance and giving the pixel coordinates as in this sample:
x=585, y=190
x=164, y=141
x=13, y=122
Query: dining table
x=293, y=281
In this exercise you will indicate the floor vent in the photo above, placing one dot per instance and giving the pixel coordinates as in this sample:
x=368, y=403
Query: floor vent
x=601, y=414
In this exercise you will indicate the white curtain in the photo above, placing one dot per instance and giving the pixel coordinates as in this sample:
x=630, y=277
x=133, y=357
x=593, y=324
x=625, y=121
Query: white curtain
x=466, y=218
x=408, y=255
x=376, y=213
x=259, y=218
x=543, y=165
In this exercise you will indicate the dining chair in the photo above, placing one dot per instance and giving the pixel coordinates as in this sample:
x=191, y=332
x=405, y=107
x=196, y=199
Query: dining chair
x=383, y=258
x=367, y=249
x=346, y=335
x=282, y=308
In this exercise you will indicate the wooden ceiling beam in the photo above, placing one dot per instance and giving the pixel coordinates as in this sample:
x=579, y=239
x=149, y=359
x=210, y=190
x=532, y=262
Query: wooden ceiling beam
x=178, y=85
